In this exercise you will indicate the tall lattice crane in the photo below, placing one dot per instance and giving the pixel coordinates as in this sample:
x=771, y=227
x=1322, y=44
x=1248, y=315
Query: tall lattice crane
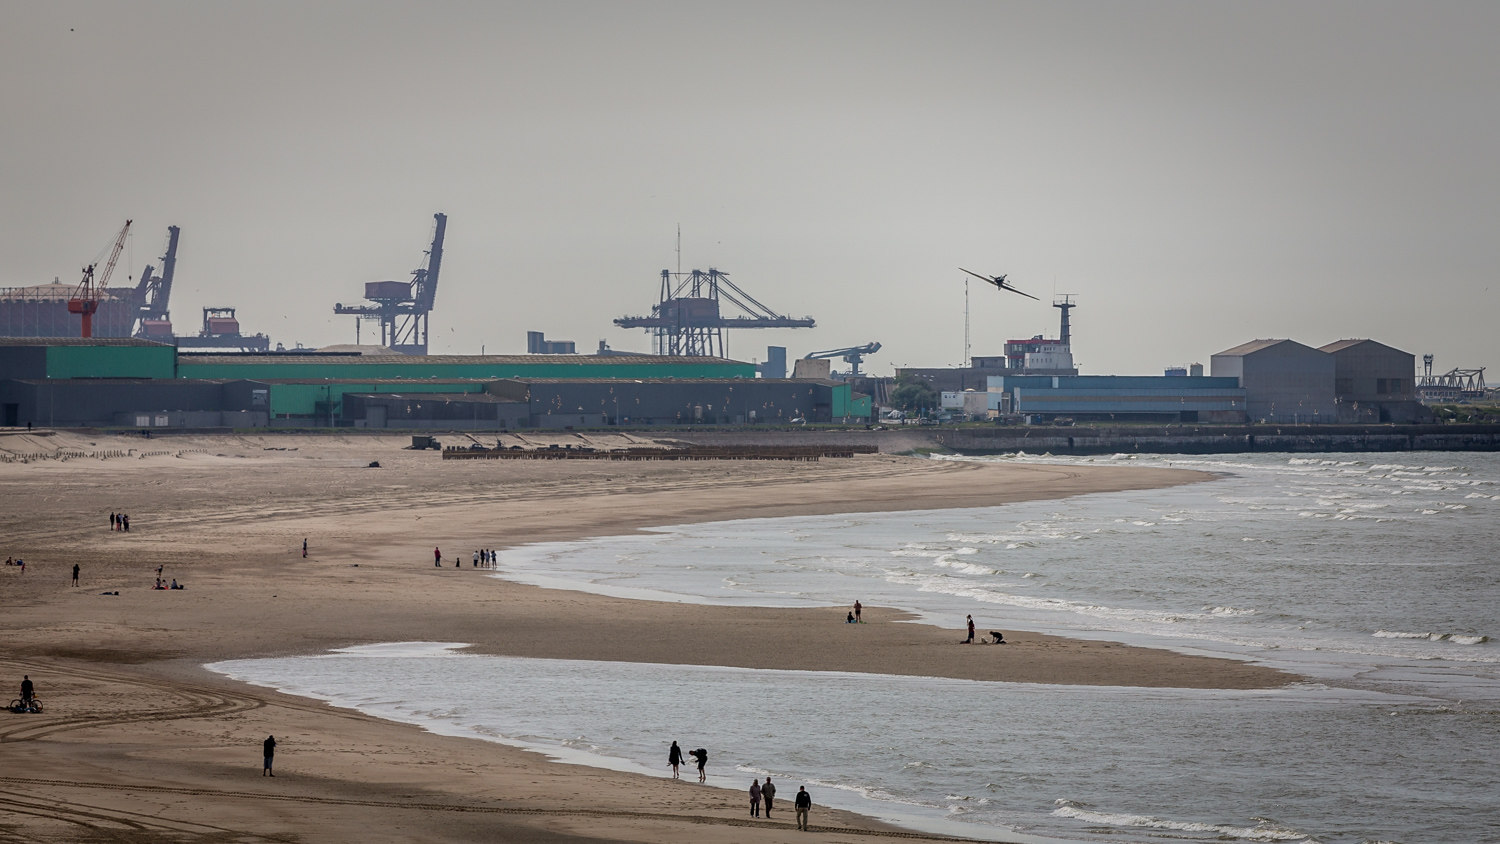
x=85, y=301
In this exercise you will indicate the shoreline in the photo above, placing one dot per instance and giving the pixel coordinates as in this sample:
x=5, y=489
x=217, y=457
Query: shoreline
x=237, y=546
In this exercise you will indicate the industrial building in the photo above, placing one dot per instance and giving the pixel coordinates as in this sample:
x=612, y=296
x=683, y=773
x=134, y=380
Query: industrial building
x=75, y=382
x=132, y=403
x=1119, y=398
x=1373, y=382
x=1037, y=356
x=1284, y=380
x=593, y=403
x=340, y=366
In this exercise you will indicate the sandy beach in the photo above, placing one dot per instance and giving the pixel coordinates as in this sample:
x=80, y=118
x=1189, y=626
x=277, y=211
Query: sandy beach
x=140, y=743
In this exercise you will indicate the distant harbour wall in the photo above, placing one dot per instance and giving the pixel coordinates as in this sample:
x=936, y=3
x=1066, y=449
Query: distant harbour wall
x=1190, y=439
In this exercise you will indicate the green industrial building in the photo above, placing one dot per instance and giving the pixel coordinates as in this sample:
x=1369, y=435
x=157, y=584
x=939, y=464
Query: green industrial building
x=370, y=367
x=94, y=382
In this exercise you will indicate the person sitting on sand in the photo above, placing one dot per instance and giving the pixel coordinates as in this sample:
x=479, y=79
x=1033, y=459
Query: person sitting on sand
x=850, y=619
x=174, y=584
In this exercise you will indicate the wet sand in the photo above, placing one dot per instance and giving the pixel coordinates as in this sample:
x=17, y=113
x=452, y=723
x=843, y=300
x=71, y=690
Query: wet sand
x=141, y=743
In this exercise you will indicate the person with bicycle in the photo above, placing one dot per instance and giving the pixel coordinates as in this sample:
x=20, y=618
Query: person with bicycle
x=28, y=689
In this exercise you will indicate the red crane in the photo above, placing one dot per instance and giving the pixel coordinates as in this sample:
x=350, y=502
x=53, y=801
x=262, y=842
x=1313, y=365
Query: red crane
x=85, y=299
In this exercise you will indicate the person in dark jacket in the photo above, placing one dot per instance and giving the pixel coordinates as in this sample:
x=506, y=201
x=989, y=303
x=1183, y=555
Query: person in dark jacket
x=270, y=746
x=802, y=804
x=28, y=690
x=768, y=793
x=702, y=756
x=674, y=758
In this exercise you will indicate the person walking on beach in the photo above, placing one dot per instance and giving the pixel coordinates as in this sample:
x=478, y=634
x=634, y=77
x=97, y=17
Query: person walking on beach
x=802, y=804
x=75, y=574
x=674, y=758
x=755, y=799
x=702, y=756
x=970, y=640
x=304, y=547
x=857, y=608
x=270, y=747
x=437, y=557
x=768, y=793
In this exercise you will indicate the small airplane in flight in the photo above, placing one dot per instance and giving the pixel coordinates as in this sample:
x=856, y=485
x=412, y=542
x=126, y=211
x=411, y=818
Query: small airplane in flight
x=1000, y=283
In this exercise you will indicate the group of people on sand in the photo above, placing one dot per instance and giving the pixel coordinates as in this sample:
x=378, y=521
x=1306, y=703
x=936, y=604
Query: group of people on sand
x=119, y=521
x=160, y=583
x=758, y=791
x=854, y=614
x=483, y=555
x=11, y=561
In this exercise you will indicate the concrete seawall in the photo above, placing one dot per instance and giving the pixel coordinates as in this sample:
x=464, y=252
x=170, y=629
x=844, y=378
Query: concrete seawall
x=1220, y=439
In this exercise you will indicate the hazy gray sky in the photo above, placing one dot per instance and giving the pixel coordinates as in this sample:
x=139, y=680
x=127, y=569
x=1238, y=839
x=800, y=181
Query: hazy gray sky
x=1200, y=174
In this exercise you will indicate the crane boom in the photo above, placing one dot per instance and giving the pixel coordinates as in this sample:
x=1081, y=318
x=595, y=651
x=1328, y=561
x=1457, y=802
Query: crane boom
x=85, y=299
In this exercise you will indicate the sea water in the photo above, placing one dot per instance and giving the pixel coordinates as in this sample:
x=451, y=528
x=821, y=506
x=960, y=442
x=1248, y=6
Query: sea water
x=1376, y=578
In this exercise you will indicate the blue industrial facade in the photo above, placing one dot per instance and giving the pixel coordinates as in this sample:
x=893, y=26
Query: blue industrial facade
x=1153, y=398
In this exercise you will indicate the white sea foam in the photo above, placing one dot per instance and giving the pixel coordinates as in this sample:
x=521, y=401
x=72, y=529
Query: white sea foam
x=1264, y=832
x=1456, y=638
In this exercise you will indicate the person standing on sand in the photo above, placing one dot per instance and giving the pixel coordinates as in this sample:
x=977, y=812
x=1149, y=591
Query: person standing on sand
x=702, y=756
x=970, y=640
x=28, y=690
x=802, y=804
x=674, y=758
x=125, y=520
x=270, y=747
x=304, y=547
x=755, y=799
x=111, y=520
x=768, y=792
x=857, y=608
x=437, y=557
x=75, y=574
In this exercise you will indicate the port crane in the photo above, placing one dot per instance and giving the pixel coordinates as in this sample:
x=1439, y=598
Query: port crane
x=85, y=299
x=402, y=307
x=154, y=293
x=688, y=320
x=854, y=356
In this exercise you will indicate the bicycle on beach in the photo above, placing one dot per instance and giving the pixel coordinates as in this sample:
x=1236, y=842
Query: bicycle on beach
x=33, y=705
